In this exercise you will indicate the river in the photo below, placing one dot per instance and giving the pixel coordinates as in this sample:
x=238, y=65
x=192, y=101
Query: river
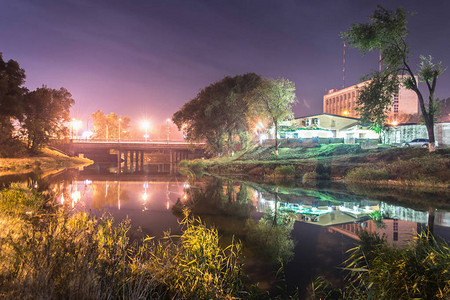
x=327, y=215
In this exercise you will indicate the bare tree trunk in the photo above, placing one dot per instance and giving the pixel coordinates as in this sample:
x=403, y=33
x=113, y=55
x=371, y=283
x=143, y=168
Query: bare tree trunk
x=275, y=122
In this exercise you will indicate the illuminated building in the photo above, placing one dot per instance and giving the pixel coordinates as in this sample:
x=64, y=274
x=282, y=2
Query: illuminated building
x=344, y=102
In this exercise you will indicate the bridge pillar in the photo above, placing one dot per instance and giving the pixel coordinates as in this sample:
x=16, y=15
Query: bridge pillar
x=125, y=158
x=137, y=161
x=170, y=160
x=142, y=160
x=119, y=162
x=131, y=161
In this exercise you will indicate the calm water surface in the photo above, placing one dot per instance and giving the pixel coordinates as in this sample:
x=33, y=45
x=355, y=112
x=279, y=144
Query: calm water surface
x=328, y=216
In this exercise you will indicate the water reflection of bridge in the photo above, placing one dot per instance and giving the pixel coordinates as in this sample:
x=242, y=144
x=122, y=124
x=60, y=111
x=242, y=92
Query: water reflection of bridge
x=129, y=177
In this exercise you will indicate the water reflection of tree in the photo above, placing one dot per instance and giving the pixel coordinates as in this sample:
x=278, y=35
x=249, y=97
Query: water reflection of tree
x=271, y=236
x=220, y=197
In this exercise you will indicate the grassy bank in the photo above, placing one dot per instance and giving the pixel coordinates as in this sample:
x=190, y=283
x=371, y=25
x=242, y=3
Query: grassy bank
x=46, y=162
x=401, y=167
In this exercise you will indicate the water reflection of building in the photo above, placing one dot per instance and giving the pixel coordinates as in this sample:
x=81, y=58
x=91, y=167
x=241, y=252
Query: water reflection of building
x=398, y=224
x=397, y=232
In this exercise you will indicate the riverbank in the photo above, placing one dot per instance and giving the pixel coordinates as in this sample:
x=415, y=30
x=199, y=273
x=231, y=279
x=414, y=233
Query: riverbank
x=46, y=162
x=410, y=168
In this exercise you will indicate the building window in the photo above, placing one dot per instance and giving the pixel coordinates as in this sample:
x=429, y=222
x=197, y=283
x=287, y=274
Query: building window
x=316, y=121
x=308, y=122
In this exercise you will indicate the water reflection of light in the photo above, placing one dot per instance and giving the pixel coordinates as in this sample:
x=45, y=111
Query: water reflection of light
x=76, y=196
x=87, y=182
x=62, y=198
x=144, y=196
x=118, y=195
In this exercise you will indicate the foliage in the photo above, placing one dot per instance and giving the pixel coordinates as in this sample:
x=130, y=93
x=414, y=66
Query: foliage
x=367, y=174
x=418, y=271
x=107, y=126
x=275, y=97
x=45, y=112
x=375, y=99
x=195, y=267
x=284, y=171
x=387, y=32
x=50, y=253
x=12, y=78
x=272, y=236
x=220, y=113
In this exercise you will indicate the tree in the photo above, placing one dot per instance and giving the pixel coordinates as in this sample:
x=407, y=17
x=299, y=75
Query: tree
x=276, y=97
x=45, y=113
x=220, y=114
x=12, y=78
x=107, y=126
x=387, y=32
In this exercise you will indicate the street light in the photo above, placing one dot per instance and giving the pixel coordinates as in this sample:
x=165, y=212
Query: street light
x=76, y=124
x=168, y=130
x=120, y=120
x=145, y=125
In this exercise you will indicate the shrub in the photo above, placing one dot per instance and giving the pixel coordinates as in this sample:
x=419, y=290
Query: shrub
x=183, y=164
x=196, y=166
x=195, y=267
x=284, y=171
x=367, y=174
x=419, y=271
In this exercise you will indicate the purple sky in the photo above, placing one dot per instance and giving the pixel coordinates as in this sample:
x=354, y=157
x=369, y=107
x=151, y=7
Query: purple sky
x=145, y=58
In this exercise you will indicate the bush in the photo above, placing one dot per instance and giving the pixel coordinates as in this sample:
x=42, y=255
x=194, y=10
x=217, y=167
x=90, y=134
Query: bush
x=183, y=164
x=284, y=171
x=420, y=271
x=367, y=174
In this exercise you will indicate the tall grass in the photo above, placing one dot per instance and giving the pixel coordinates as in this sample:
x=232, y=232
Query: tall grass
x=378, y=271
x=50, y=253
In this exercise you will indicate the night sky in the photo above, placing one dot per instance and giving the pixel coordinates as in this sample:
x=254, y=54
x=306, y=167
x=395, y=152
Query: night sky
x=145, y=58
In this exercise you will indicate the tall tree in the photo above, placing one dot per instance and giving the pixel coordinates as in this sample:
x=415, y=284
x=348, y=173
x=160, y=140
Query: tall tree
x=45, y=113
x=276, y=97
x=387, y=33
x=220, y=113
x=108, y=126
x=12, y=78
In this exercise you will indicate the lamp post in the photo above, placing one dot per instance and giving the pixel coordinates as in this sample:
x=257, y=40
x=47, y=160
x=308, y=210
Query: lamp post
x=168, y=130
x=107, y=133
x=145, y=125
x=120, y=120
x=76, y=124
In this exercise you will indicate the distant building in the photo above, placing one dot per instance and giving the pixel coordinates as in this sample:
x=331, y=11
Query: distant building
x=343, y=102
x=326, y=126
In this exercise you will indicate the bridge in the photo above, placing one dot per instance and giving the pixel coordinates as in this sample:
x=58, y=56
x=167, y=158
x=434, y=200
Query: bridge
x=134, y=154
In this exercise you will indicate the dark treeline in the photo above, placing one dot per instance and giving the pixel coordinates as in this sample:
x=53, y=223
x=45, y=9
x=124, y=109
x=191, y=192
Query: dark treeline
x=30, y=116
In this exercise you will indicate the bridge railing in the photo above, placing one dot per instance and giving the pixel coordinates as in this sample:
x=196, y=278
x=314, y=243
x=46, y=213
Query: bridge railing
x=130, y=141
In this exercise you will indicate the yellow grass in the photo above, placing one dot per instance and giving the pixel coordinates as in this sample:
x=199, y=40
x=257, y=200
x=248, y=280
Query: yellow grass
x=48, y=161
